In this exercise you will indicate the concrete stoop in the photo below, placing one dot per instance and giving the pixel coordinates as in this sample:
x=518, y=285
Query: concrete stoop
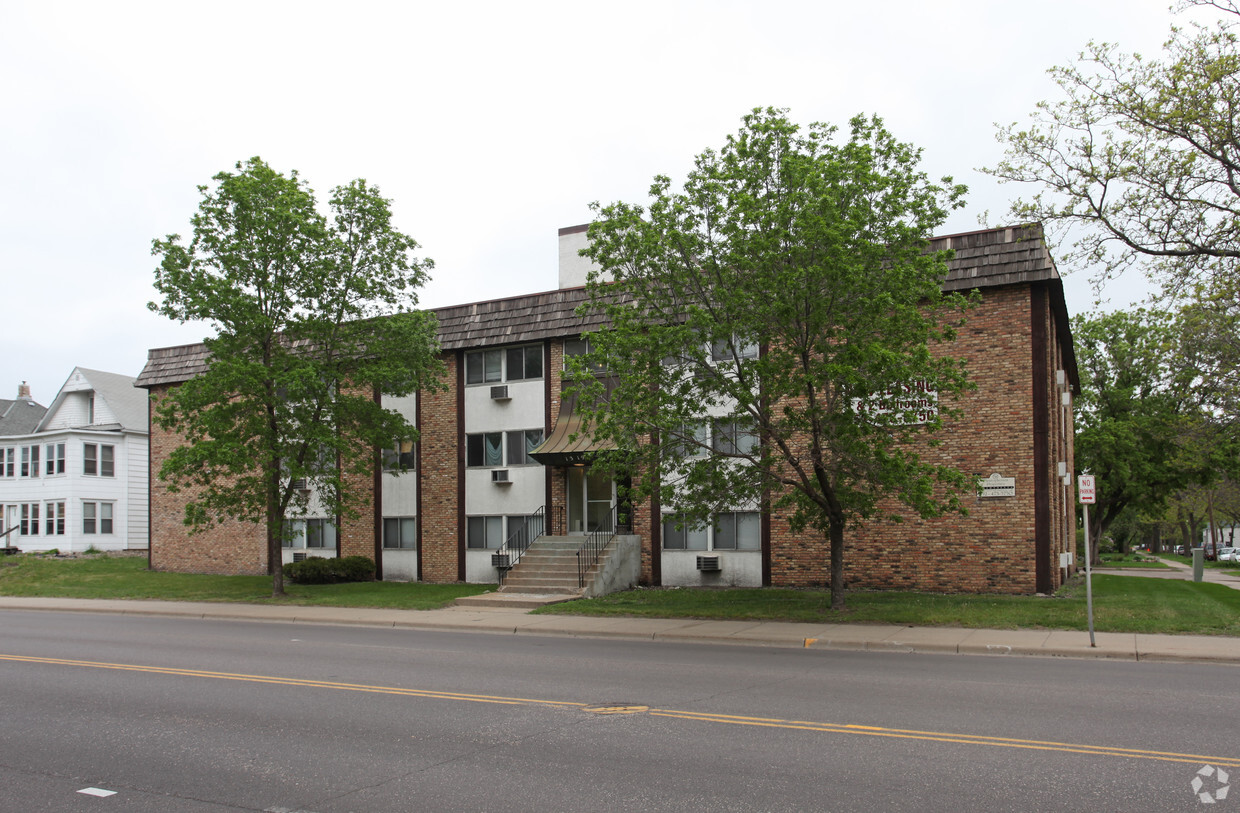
x=547, y=574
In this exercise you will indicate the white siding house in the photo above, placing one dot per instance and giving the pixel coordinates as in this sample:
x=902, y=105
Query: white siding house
x=77, y=479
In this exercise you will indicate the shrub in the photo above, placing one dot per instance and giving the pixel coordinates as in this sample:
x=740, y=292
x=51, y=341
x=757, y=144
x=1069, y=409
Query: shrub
x=320, y=570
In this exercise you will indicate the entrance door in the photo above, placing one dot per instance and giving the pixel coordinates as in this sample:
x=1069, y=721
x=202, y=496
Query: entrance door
x=590, y=499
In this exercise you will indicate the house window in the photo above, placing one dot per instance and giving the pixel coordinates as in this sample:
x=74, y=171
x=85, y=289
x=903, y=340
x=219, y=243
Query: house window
x=682, y=534
x=484, y=449
x=739, y=530
x=399, y=456
x=484, y=532
x=30, y=519
x=732, y=437
x=55, y=521
x=510, y=364
x=98, y=459
x=310, y=533
x=30, y=461
x=320, y=533
x=400, y=533
x=689, y=439
x=8, y=461
x=722, y=350
x=97, y=517
x=55, y=454
x=520, y=444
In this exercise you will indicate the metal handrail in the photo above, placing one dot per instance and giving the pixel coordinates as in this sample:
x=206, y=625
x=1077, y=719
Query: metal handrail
x=506, y=558
x=596, y=542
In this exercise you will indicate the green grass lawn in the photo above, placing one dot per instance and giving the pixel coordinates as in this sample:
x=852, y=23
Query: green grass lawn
x=127, y=577
x=1121, y=604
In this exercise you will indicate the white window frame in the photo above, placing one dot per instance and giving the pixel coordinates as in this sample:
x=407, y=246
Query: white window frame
x=711, y=536
x=101, y=516
x=494, y=365
x=54, y=459
x=405, y=536
x=492, y=532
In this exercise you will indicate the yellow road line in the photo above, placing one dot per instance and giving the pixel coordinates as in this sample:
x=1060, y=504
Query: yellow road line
x=705, y=717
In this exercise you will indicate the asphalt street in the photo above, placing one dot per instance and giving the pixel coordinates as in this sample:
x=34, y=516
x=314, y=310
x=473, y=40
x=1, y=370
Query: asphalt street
x=213, y=715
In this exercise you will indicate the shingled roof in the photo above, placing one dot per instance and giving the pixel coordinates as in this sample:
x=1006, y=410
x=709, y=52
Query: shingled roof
x=994, y=257
x=984, y=259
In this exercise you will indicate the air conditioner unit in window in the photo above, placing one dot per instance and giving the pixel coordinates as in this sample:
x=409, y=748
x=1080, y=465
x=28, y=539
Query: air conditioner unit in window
x=299, y=557
x=500, y=393
x=708, y=564
x=299, y=484
x=500, y=476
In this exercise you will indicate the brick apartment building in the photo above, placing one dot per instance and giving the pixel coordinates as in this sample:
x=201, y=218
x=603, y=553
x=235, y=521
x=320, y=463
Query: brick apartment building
x=495, y=450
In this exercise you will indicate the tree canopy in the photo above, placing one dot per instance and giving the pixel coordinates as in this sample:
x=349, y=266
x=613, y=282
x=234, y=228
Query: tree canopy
x=765, y=324
x=314, y=317
x=1141, y=426
x=1139, y=159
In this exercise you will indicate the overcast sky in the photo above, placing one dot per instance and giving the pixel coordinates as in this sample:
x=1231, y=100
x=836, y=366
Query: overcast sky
x=489, y=124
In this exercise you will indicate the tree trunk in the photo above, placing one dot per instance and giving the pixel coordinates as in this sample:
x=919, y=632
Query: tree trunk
x=835, y=537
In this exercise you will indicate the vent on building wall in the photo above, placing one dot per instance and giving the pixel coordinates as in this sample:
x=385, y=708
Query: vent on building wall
x=500, y=393
x=298, y=484
x=299, y=557
x=708, y=564
x=500, y=476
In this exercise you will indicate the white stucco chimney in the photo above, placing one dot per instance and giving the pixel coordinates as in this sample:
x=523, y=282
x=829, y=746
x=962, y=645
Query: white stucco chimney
x=574, y=267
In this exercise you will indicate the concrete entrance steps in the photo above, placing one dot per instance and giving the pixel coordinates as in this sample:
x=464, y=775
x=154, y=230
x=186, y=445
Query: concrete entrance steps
x=549, y=567
x=546, y=574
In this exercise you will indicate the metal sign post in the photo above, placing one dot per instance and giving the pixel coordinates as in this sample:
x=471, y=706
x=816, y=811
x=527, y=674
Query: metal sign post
x=1088, y=496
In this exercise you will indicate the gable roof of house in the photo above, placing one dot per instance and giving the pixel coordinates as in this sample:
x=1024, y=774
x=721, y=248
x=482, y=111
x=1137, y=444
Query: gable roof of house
x=128, y=404
x=983, y=259
x=20, y=416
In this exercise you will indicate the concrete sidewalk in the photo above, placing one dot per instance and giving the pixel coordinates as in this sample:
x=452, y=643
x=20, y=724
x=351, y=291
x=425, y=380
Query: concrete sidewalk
x=869, y=637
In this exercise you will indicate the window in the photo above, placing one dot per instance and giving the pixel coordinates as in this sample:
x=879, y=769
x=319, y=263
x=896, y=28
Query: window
x=484, y=532
x=731, y=437
x=8, y=461
x=98, y=459
x=55, y=519
x=580, y=347
x=310, y=533
x=55, y=454
x=721, y=350
x=30, y=461
x=30, y=519
x=485, y=449
x=520, y=444
x=400, y=533
x=320, y=533
x=399, y=457
x=740, y=530
x=689, y=439
x=524, y=362
x=97, y=517
x=510, y=364
x=680, y=534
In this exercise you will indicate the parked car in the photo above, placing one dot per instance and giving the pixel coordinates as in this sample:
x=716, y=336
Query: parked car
x=1181, y=550
x=1229, y=555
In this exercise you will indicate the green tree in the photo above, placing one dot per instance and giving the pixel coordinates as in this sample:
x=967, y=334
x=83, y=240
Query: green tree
x=313, y=318
x=756, y=321
x=1140, y=425
x=1138, y=160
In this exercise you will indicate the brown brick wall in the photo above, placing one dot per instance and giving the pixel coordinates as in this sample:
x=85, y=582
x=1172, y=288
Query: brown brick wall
x=439, y=479
x=992, y=549
x=229, y=548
